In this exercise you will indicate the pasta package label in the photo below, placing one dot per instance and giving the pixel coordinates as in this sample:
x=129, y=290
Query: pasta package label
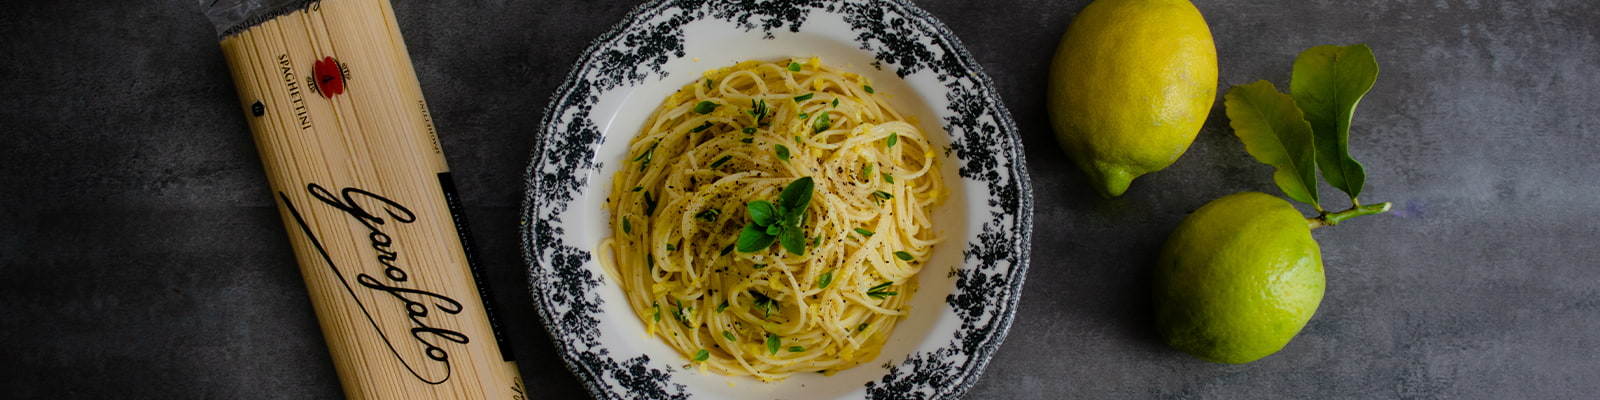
x=369, y=203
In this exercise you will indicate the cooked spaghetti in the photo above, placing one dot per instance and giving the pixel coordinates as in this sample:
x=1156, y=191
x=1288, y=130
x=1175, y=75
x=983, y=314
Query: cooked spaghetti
x=813, y=286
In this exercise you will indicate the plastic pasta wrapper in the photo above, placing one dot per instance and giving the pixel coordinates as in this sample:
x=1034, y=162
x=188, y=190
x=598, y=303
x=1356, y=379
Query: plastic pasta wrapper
x=357, y=173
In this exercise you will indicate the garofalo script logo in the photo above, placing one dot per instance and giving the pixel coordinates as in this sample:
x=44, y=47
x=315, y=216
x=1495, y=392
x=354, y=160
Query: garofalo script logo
x=391, y=285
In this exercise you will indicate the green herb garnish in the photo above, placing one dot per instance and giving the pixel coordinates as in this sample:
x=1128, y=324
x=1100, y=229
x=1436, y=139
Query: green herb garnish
x=758, y=266
x=881, y=291
x=701, y=128
x=706, y=107
x=747, y=140
x=729, y=336
x=894, y=137
x=748, y=131
x=726, y=250
x=721, y=161
x=772, y=343
x=781, y=222
x=766, y=304
x=796, y=349
x=804, y=97
x=868, y=89
x=657, y=314
x=816, y=241
x=882, y=195
x=794, y=66
x=783, y=152
x=822, y=123
x=683, y=314
x=702, y=355
x=864, y=232
x=903, y=256
x=708, y=84
x=866, y=170
x=644, y=158
x=802, y=116
x=709, y=215
x=721, y=307
x=825, y=279
x=649, y=203
x=835, y=102
x=861, y=327
x=888, y=178
x=670, y=247
x=758, y=109
x=626, y=227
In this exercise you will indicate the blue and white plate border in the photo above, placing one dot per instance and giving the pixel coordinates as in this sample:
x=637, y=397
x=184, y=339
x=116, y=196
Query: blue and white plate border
x=901, y=38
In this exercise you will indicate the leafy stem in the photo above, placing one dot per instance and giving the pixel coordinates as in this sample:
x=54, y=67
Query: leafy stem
x=781, y=222
x=1334, y=218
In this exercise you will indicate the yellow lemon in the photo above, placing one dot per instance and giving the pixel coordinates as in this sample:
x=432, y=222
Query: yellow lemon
x=1238, y=279
x=1131, y=83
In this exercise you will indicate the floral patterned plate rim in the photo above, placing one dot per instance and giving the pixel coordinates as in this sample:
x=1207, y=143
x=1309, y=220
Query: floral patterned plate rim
x=970, y=287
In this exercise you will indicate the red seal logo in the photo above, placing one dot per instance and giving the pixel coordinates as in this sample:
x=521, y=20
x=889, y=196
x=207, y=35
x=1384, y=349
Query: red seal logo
x=330, y=78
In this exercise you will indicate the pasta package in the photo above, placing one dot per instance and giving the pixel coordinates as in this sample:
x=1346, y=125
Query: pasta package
x=359, y=177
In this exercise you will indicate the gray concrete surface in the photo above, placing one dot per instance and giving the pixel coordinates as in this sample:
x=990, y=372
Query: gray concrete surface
x=141, y=256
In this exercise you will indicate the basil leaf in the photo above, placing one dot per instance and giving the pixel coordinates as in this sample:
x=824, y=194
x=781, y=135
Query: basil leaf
x=626, y=227
x=1275, y=132
x=762, y=212
x=868, y=89
x=894, y=137
x=702, y=355
x=794, y=66
x=793, y=240
x=772, y=343
x=729, y=336
x=706, y=107
x=903, y=256
x=824, y=280
x=1328, y=82
x=753, y=239
x=721, y=307
x=797, y=195
x=888, y=178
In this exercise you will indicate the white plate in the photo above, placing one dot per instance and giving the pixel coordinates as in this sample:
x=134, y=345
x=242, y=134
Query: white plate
x=968, y=290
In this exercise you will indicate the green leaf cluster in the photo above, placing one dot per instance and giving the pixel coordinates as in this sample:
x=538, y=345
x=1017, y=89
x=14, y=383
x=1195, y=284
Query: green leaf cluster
x=1308, y=129
x=781, y=222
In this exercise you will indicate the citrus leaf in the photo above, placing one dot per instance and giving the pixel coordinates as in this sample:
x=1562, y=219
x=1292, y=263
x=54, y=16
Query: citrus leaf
x=1328, y=82
x=1275, y=132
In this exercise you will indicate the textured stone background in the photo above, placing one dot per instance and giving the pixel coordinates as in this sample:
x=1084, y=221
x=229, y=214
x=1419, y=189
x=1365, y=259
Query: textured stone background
x=141, y=255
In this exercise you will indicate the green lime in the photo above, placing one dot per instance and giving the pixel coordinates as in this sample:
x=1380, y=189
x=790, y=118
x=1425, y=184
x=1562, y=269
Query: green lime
x=1238, y=279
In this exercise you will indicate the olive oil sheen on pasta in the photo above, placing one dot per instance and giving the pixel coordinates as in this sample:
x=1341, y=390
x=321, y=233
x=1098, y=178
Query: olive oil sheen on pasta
x=361, y=182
